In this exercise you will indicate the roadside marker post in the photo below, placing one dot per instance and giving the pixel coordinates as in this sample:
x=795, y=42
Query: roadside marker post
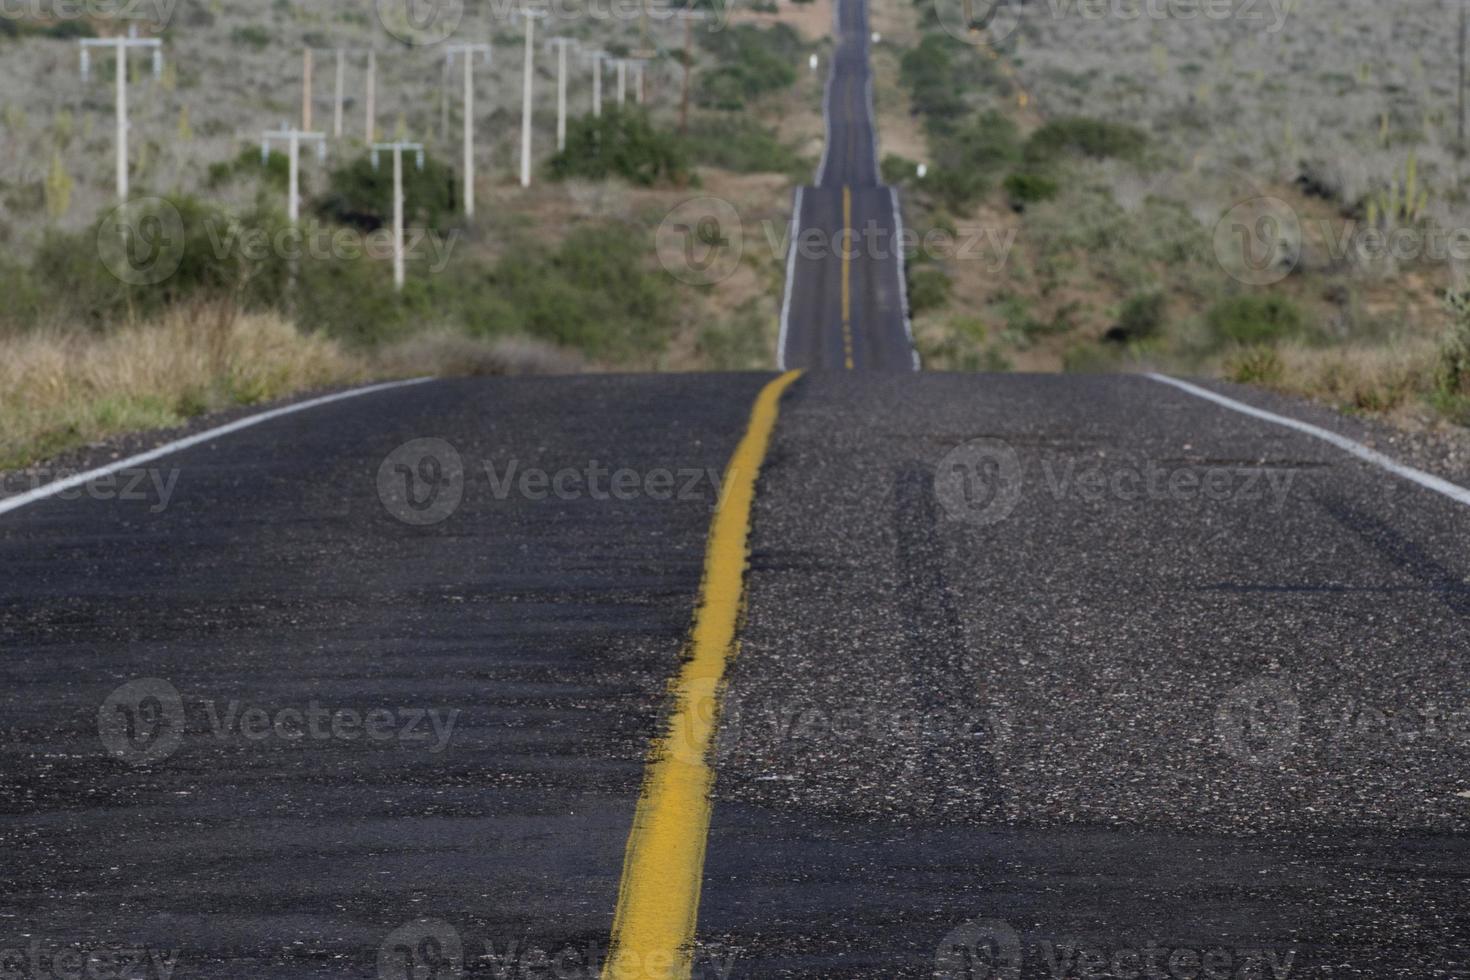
x=468, y=52
x=121, y=46
x=397, y=149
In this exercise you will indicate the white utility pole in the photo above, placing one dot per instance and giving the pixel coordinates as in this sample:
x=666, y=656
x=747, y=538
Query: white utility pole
x=293, y=139
x=341, y=94
x=561, y=44
x=399, y=274
x=622, y=80
x=638, y=64
x=531, y=16
x=372, y=97
x=121, y=46
x=468, y=52
x=596, y=59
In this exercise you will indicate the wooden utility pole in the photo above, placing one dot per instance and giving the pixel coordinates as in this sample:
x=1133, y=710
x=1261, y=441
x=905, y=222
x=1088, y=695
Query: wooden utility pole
x=397, y=148
x=121, y=46
x=1461, y=93
x=340, y=93
x=372, y=97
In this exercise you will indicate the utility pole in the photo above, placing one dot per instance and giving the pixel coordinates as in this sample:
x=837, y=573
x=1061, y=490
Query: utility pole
x=688, y=15
x=399, y=274
x=531, y=17
x=306, y=67
x=561, y=44
x=638, y=64
x=622, y=64
x=372, y=97
x=468, y=52
x=1461, y=147
x=293, y=139
x=340, y=94
x=121, y=46
x=596, y=58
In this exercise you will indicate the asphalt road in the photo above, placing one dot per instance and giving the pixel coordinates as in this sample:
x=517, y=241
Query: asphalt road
x=845, y=306
x=1186, y=685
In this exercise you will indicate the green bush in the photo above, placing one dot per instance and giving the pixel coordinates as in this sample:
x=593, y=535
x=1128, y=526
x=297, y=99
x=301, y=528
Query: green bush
x=1084, y=136
x=274, y=170
x=967, y=159
x=620, y=143
x=929, y=288
x=740, y=143
x=594, y=293
x=1140, y=319
x=1254, y=319
x=1030, y=188
x=752, y=61
x=360, y=195
x=897, y=170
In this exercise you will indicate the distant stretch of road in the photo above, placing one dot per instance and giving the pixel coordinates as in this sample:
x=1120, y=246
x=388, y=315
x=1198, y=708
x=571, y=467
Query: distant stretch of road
x=845, y=305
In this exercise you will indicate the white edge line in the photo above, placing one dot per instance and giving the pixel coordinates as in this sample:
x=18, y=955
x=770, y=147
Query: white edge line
x=903, y=281
x=60, y=486
x=790, y=280
x=1455, y=492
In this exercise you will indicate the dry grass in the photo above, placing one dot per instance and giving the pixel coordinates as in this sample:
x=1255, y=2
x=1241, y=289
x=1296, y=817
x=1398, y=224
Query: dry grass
x=1380, y=379
x=63, y=387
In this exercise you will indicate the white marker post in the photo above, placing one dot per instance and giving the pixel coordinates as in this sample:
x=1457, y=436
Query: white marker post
x=121, y=46
x=596, y=57
x=293, y=139
x=531, y=17
x=561, y=44
x=399, y=271
x=468, y=52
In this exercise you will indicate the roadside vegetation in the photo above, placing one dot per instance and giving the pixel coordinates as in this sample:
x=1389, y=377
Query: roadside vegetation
x=1107, y=154
x=562, y=277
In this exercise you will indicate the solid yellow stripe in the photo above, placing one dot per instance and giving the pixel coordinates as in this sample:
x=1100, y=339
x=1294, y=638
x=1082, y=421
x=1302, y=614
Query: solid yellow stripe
x=663, y=867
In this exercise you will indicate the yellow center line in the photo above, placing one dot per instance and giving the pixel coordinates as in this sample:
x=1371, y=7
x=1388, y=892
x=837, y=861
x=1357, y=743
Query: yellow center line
x=847, y=275
x=663, y=867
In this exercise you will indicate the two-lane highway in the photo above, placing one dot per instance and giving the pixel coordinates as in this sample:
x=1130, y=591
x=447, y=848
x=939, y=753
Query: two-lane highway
x=846, y=305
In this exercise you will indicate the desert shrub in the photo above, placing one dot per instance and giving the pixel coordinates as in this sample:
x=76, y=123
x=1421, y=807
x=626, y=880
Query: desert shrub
x=1254, y=319
x=1141, y=318
x=897, y=170
x=1084, y=136
x=737, y=343
x=1030, y=188
x=967, y=160
x=1452, y=374
x=1255, y=365
x=251, y=36
x=593, y=293
x=938, y=73
x=274, y=170
x=929, y=288
x=620, y=143
x=752, y=61
x=361, y=195
x=742, y=144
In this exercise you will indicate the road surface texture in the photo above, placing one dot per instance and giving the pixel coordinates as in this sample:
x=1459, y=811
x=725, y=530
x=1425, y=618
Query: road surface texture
x=1170, y=685
x=845, y=306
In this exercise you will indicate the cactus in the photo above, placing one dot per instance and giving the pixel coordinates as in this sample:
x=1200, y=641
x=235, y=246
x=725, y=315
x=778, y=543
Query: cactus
x=58, y=188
